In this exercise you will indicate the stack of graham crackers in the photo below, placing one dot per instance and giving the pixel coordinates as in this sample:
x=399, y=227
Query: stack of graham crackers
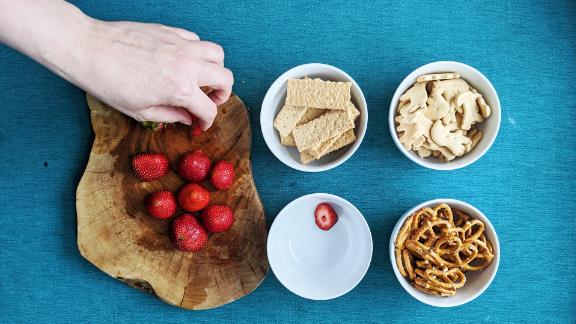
x=317, y=117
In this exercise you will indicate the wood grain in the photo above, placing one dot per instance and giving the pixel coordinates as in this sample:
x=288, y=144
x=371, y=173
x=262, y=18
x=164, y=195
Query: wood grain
x=118, y=237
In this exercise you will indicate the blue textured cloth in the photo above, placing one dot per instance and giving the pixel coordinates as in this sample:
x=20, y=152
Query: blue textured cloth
x=525, y=184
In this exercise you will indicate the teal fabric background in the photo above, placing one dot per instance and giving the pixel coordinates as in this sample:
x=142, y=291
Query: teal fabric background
x=525, y=183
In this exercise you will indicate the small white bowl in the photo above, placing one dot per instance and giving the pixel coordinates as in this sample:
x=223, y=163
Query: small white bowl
x=274, y=101
x=476, y=281
x=317, y=264
x=489, y=127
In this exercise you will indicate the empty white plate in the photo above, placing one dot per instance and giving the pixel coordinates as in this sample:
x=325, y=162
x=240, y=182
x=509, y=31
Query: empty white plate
x=317, y=264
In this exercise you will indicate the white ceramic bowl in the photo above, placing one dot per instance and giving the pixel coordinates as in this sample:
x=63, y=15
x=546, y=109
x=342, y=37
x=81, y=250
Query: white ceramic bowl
x=274, y=101
x=489, y=127
x=476, y=281
x=317, y=264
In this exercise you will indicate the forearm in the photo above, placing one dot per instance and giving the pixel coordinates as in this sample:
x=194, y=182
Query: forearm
x=48, y=31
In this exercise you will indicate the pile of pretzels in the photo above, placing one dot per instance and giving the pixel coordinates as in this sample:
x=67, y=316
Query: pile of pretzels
x=436, y=246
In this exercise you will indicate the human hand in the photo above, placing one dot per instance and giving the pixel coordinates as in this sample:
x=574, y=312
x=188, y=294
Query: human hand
x=152, y=72
x=147, y=71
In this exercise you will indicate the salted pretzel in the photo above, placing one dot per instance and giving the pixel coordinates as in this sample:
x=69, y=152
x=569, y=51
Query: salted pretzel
x=429, y=291
x=448, y=279
x=408, y=261
x=436, y=246
x=444, y=211
x=461, y=217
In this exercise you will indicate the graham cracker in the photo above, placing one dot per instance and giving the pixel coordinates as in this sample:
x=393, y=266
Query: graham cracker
x=310, y=115
x=353, y=112
x=345, y=139
x=321, y=149
x=316, y=93
x=330, y=146
x=321, y=129
x=287, y=140
x=306, y=157
x=287, y=118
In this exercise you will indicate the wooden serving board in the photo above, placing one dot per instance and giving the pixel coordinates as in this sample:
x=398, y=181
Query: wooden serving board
x=117, y=236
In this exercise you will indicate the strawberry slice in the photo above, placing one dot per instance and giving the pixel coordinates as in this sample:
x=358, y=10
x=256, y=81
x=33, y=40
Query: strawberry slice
x=325, y=216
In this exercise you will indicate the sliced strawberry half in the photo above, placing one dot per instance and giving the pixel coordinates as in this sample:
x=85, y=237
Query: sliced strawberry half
x=325, y=216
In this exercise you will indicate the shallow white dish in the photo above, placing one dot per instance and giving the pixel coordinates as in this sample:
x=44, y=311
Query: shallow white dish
x=274, y=101
x=317, y=264
x=476, y=281
x=489, y=127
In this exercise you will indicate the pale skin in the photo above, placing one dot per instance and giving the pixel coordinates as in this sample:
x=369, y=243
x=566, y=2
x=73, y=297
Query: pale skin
x=149, y=72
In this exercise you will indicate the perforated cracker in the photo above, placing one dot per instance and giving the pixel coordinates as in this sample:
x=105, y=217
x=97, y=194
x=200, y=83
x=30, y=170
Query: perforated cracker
x=321, y=149
x=311, y=114
x=306, y=157
x=287, y=140
x=353, y=112
x=345, y=139
x=287, y=118
x=317, y=93
x=333, y=144
x=321, y=129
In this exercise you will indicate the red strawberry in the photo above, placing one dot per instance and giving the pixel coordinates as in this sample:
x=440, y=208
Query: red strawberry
x=217, y=218
x=194, y=166
x=193, y=197
x=196, y=130
x=325, y=216
x=187, y=234
x=161, y=204
x=222, y=175
x=150, y=166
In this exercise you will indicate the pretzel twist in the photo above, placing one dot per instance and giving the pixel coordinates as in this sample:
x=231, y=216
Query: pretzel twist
x=435, y=246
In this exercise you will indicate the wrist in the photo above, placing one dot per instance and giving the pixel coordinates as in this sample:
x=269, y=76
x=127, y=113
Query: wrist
x=65, y=47
x=53, y=33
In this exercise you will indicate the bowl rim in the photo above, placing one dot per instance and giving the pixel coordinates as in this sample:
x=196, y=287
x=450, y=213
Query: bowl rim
x=497, y=113
x=362, y=221
x=412, y=291
x=277, y=84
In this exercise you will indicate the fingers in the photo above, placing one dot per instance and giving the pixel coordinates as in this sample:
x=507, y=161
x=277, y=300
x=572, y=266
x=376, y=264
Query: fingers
x=217, y=96
x=167, y=114
x=215, y=76
x=199, y=105
x=220, y=96
x=209, y=52
x=183, y=33
x=204, y=109
x=218, y=78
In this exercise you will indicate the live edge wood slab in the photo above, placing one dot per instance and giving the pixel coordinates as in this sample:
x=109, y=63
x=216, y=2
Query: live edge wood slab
x=118, y=237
